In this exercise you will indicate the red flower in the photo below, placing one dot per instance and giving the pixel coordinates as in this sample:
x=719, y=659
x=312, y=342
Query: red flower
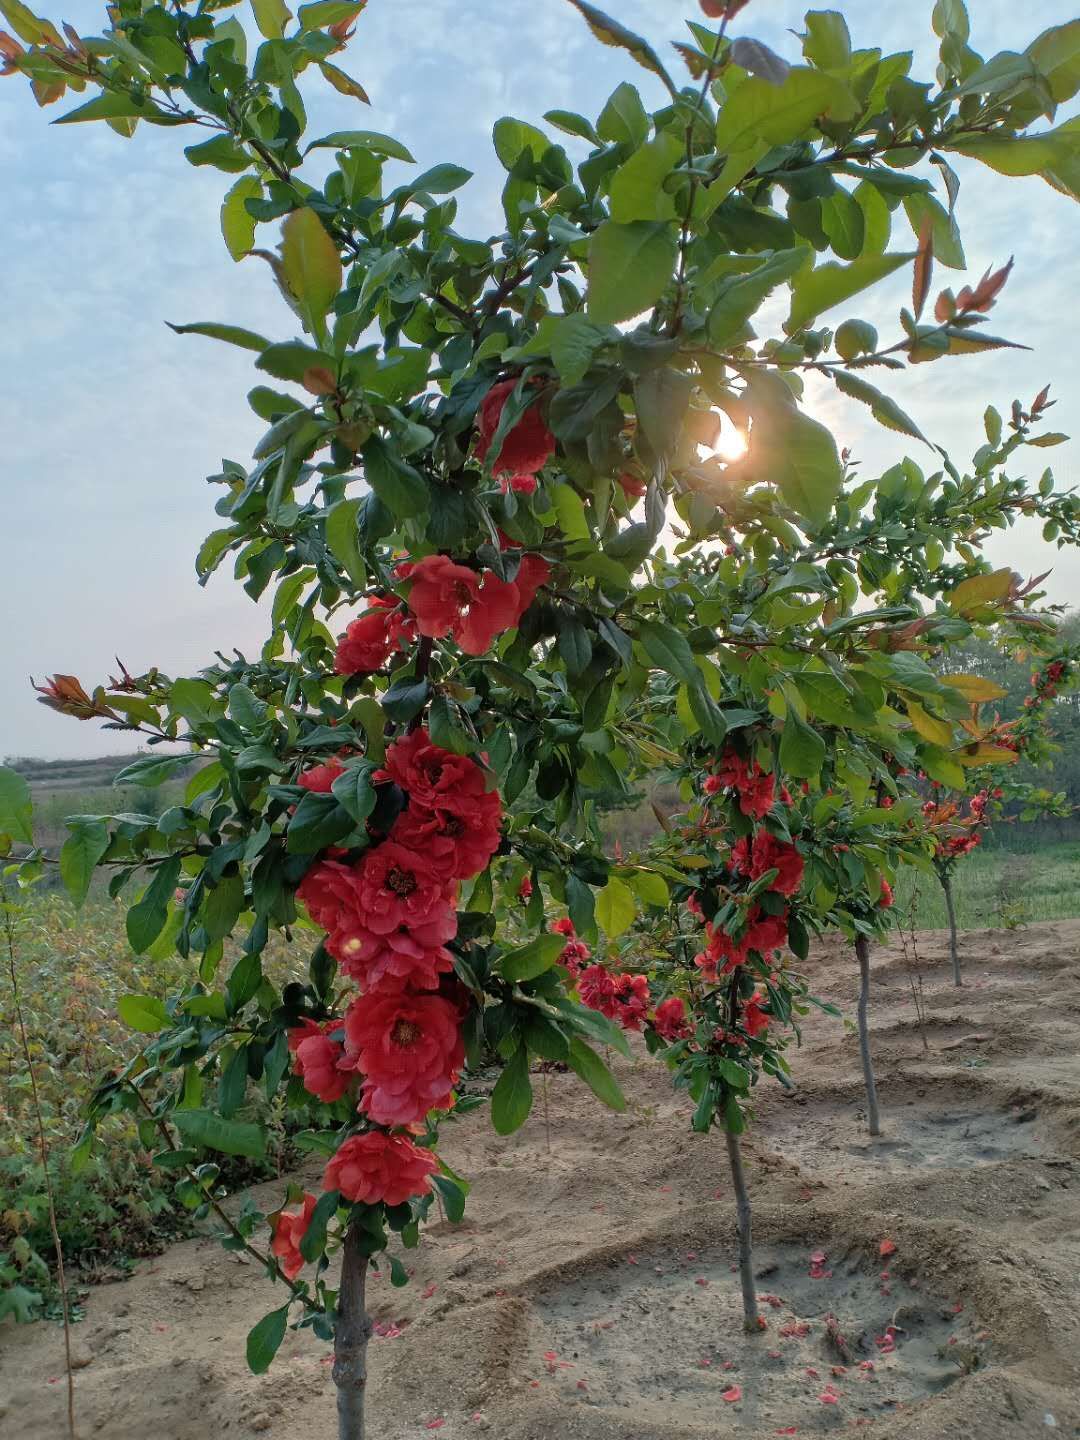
x=740, y=856
x=533, y=572
x=525, y=889
x=390, y=915
x=631, y=1002
x=768, y=853
x=437, y=779
x=754, y=1018
x=320, y=778
x=632, y=488
x=321, y=1062
x=455, y=843
x=526, y=447
x=289, y=1228
x=669, y=1022
x=376, y=1167
x=575, y=953
x=596, y=986
x=756, y=789
x=450, y=599
x=887, y=897
x=371, y=637
x=766, y=933
x=409, y=1049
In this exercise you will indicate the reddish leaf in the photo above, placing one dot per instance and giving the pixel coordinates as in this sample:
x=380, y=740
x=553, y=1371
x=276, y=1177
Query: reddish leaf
x=924, y=265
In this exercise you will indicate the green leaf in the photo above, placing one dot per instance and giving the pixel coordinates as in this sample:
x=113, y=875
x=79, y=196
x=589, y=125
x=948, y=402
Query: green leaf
x=237, y=224
x=667, y=648
x=629, y=268
x=637, y=191
x=818, y=290
x=355, y=793
x=758, y=110
x=827, y=43
x=84, y=847
x=264, y=1340
x=1056, y=55
x=616, y=908
x=222, y=152
x=610, y=32
x=343, y=83
x=662, y=398
x=571, y=512
x=16, y=809
x=795, y=453
x=313, y=1241
x=144, y=1013
x=945, y=232
x=318, y=821
x=576, y=339
x=310, y=263
x=120, y=107
x=223, y=906
x=343, y=539
x=401, y=488
x=271, y=16
x=586, y=1063
x=1022, y=155
x=328, y=12
x=573, y=124
x=439, y=180
x=147, y=916
x=844, y=222
x=802, y=750
x=742, y=296
x=512, y=1097
x=405, y=699
x=364, y=140
x=884, y=410
x=231, y=334
x=513, y=137
x=529, y=961
x=230, y=1137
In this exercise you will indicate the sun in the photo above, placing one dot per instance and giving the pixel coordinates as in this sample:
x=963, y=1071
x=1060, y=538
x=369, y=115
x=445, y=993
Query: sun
x=730, y=444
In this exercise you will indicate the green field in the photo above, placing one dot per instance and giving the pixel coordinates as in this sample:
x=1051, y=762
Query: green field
x=998, y=889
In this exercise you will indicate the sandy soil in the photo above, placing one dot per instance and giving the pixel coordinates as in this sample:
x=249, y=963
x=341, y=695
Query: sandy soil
x=589, y=1293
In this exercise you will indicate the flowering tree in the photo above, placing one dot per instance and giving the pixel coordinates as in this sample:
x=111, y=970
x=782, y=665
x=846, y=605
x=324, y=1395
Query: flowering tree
x=488, y=445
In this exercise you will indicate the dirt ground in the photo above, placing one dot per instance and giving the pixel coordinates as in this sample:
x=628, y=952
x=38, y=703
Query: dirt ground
x=589, y=1293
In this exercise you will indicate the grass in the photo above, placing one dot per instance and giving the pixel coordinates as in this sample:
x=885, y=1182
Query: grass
x=998, y=889
x=71, y=971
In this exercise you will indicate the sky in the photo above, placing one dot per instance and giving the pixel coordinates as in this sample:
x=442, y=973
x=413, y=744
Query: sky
x=110, y=422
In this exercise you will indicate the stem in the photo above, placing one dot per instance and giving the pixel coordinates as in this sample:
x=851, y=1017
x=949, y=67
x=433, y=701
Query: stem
x=954, y=951
x=862, y=950
x=351, y=1338
x=9, y=931
x=267, y=1261
x=751, y=1323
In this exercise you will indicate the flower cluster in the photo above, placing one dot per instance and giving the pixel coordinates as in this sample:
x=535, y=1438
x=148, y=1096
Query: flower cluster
x=955, y=833
x=575, y=953
x=755, y=787
x=448, y=599
x=526, y=447
x=388, y=917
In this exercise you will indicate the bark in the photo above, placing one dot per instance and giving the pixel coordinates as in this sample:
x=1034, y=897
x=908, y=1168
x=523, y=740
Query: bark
x=351, y=1340
x=862, y=950
x=954, y=950
x=743, y=1226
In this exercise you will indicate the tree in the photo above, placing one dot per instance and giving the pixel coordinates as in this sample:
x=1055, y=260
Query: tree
x=476, y=441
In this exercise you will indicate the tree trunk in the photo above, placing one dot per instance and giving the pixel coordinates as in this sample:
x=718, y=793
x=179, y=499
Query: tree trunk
x=862, y=950
x=954, y=951
x=746, y=1250
x=351, y=1340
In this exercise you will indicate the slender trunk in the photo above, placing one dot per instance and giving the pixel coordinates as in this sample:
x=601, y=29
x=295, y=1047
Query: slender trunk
x=954, y=951
x=351, y=1340
x=862, y=950
x=751, y=1323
